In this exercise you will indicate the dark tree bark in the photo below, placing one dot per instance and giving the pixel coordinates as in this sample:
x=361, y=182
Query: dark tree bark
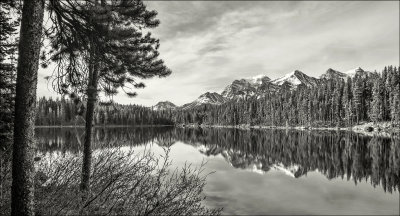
x=91, y=103
x=90, y=106
x=25, y=105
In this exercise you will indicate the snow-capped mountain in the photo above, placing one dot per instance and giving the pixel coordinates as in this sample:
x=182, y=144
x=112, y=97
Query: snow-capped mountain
x=296, y=78
x=260, y=85
x=163, y=105
x=206, y=98
x=255, y=86
x=333, y=74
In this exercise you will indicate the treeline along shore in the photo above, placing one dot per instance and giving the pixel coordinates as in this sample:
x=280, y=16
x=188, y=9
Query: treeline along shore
x=368, y=102
x=67, y=112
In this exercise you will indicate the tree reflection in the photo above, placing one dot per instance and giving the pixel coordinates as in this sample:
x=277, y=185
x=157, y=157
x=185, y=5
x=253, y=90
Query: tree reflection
x=332, y=153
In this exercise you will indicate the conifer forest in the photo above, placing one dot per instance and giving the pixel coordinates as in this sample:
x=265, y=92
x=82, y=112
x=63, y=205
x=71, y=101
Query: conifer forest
x=332, y=103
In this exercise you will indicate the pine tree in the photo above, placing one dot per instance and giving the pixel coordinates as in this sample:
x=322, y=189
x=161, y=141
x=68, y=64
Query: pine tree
x=337, y=101
x=116, y=53
x=384, y=94
x=25, y=101
x=358, y=98
x=395, y=97
x=8, y=53
x=376, y=114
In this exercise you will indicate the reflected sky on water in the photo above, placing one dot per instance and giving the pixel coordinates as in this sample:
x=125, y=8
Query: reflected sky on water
x=267, y=171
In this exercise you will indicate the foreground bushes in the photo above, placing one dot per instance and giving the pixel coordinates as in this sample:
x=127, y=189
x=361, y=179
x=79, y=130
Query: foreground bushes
x=122, y=183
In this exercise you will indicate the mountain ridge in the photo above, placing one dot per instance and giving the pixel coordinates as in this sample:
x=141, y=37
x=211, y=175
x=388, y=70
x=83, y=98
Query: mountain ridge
x=261, y=84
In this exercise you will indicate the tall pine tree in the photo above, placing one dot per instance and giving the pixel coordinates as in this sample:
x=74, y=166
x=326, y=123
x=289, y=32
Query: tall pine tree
x=116, y=54
x=376, y=112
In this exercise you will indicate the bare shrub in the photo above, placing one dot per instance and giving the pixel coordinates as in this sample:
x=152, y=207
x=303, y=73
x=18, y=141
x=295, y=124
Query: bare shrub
x=5, y=182
x=123, y=183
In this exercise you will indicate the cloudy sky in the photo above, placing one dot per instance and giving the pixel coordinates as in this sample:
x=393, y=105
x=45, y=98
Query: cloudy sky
x=209, y=44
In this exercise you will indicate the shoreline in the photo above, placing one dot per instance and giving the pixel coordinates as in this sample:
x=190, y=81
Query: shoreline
x=368, y=129
x=99, y=126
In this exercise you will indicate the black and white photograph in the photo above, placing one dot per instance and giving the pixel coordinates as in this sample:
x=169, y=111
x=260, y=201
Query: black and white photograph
x=199, y=107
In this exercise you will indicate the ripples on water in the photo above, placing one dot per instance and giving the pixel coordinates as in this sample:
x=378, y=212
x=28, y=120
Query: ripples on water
x=279, y=156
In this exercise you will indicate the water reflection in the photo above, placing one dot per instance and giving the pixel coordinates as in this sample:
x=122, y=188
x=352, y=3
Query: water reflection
x=334, y=154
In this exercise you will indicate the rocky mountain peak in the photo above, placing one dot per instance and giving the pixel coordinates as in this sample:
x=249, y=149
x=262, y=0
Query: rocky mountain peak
x=355, y=71
x=296, y=78
x=207, y=98
x=333, y=74
x=239, y=88
x=258, y=80
x=163, y=105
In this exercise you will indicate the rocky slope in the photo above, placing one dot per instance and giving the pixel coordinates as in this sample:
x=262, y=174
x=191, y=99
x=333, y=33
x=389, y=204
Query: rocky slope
x=245, y=87
x=206, y=98
x=164, y=105
x=239, y=89
x=333, y=74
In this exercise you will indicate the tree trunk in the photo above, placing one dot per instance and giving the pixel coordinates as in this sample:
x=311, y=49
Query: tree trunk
x=91, y=102
x=25, y=105
x=90, y=105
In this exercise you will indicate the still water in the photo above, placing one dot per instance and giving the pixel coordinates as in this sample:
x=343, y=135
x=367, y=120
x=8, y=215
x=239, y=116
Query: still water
x=267, y=171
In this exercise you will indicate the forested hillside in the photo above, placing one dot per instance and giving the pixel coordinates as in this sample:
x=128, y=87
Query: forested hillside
x=333, y=102
x=70, y=112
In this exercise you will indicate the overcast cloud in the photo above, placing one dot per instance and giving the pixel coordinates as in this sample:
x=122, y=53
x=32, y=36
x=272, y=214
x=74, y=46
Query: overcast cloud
x=207, y=44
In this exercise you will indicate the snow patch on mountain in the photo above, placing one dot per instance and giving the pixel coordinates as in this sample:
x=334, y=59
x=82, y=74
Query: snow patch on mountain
x=258, y=80
x=296, y=78
x=206, y=98
x=290, y=78
x=211, y=98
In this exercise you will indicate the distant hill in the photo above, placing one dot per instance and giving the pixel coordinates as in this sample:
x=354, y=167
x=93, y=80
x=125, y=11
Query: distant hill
x=164, y=105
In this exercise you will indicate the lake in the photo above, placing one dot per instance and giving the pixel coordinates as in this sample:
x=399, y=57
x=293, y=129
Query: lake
x=267, y=171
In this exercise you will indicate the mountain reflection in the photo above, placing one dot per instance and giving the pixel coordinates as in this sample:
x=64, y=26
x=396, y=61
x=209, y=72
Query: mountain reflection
x=334, y=154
